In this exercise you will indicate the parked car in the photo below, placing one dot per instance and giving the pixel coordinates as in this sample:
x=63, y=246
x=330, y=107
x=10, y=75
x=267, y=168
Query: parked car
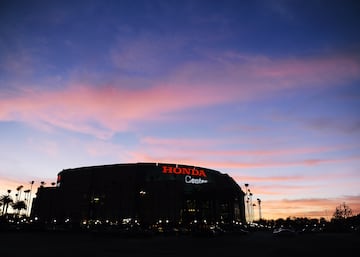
x=284, y=232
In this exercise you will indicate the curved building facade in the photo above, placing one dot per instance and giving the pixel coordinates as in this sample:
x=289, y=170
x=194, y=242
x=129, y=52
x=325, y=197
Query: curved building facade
x=146, y=192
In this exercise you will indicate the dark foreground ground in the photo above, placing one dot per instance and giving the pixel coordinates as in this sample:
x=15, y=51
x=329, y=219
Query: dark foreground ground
x=14, y=244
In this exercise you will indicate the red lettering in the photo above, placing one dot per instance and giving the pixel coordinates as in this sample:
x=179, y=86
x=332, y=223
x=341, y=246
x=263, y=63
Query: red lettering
x=202, y=173
x=167, y=169
x=183, y=171
x=177, y=170
x=186, y=171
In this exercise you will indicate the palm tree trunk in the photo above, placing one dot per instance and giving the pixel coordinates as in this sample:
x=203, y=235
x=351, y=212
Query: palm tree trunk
x=6, y=208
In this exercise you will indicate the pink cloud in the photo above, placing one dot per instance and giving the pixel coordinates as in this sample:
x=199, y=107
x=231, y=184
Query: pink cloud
x=268, y=179
x=210, y=149
x=260, y=153
x=99, y=111
x=295, y=72
x=190, y=143
x=103, y=111
x=335, y=177
x=253, y=74
x=188, y=158
x=319, y=70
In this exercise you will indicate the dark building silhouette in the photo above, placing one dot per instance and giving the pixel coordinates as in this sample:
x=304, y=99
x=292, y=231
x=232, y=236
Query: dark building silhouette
x=146, y=192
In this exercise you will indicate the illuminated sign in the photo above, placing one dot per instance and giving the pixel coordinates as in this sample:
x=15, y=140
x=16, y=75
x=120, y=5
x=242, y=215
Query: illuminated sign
x=191, y=180
x=183, y=171
x=189, y=172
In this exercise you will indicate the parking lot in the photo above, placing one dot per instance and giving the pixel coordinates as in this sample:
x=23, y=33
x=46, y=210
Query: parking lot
x=107, y=245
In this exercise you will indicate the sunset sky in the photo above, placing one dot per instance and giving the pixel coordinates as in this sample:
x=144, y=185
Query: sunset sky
x=266, y=91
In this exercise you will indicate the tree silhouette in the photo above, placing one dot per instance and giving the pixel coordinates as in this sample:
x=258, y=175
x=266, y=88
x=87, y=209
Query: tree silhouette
x=18, y=189
x=343, y=211
x=19, y=205
x=5, y=200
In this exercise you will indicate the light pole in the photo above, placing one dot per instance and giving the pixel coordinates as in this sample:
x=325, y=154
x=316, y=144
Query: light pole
x=251, y=208
x=247, y=215
x=8, y=200
x=259, y=203
x=253, y=215
x=30, y=200
x=18, y=189
x=27, y=192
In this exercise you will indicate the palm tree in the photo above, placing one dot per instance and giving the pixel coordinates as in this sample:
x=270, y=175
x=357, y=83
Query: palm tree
x=18, y=189
x=29, y=202
x=6, y=200
x=19, y=205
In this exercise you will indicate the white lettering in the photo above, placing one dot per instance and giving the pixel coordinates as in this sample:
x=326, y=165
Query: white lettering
x=190, y=180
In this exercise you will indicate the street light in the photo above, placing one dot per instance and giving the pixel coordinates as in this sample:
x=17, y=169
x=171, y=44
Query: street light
x=247, y=214
x=253, y=215
x=251, y=208
x=259, y=203
x=30, y=200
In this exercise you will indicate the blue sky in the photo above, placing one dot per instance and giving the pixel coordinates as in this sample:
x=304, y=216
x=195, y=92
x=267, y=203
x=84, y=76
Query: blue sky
x=266, y=91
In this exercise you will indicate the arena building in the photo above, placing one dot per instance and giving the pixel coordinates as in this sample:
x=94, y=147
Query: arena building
x=147, y=193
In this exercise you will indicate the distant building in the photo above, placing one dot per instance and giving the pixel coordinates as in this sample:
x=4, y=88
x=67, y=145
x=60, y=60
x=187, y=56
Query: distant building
x=146, y=192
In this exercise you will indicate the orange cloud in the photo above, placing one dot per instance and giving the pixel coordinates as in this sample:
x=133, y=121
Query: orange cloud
x=310, y=207
x=6, y=184
x=12, y=182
